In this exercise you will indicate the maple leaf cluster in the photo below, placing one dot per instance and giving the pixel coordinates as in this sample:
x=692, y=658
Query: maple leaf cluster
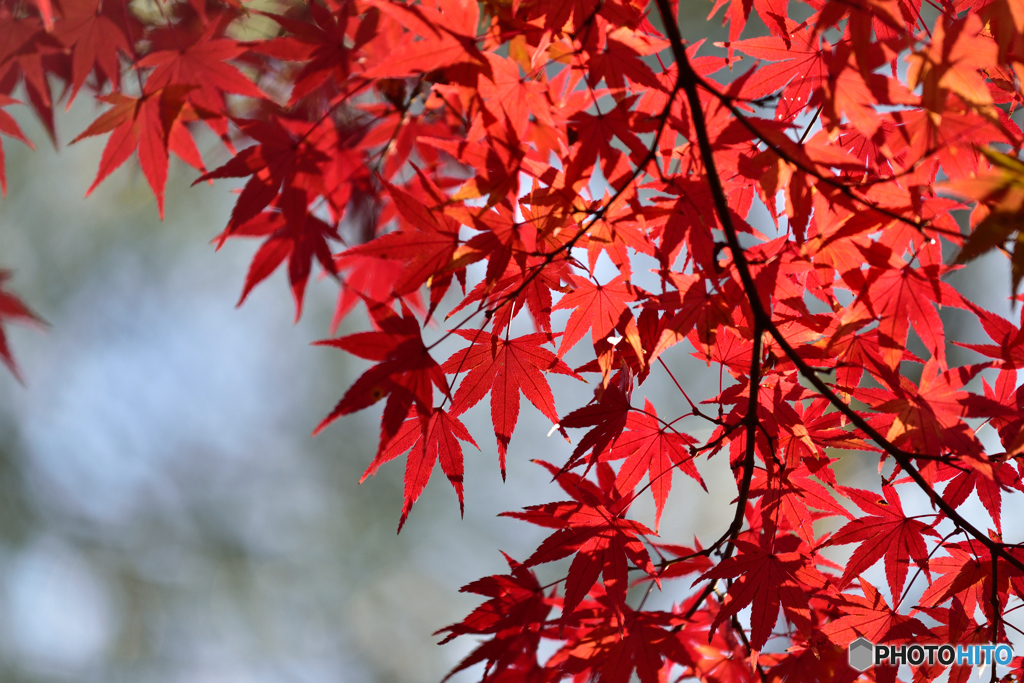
x=796, y=189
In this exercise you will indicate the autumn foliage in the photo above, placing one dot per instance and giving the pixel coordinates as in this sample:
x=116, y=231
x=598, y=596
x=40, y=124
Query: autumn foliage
x=455, y=166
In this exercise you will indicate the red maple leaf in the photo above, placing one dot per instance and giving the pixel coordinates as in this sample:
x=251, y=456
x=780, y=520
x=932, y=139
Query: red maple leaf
x=646, y=643
x=285, y=154
x=504, y=368
x=607, y=416
x=94, y=32
x=294, y=234
x=25, y=48
x=791, y=497
x=871, y=617
x=428, y=441
x=965, y=575
x=600, y=308
x=766, y=581
x=8, y=126
x=445, y=39
x=426, y=246
x=1009, y=337
x=11, y=308
x=320, y=43
x=147, y=123
x=516, y=610
x=989, y=489
x=405, y=373
x=901, y=296
x=652, y=447
x=203, y=67
x=592, y=527
x=887, y=533
x=365, y=278
x=928, y=417
x=797, y=68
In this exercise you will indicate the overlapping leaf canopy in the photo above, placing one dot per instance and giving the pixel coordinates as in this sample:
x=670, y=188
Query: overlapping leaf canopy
x=802, y=192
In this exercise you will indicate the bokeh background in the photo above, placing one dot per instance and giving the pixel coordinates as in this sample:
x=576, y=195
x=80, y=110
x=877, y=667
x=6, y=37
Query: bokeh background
x=165, y=515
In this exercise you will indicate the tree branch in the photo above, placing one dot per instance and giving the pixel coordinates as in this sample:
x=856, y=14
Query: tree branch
x=689, y=81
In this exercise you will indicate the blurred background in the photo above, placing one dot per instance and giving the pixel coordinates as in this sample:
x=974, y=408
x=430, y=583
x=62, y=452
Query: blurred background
x=165, y=515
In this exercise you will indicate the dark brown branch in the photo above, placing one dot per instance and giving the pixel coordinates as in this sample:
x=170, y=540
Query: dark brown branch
x=751, y=422
x=995, y=612
x=737, y=628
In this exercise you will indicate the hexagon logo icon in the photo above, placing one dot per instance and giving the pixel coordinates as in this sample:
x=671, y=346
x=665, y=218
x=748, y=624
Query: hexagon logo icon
x=862, y=654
